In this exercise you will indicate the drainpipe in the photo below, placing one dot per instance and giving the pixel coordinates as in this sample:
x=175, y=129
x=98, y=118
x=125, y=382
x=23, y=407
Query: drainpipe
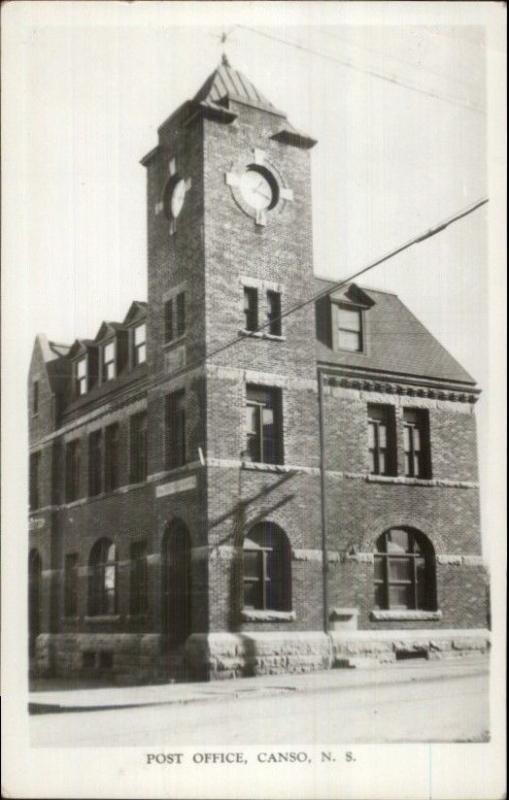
x=325, y=558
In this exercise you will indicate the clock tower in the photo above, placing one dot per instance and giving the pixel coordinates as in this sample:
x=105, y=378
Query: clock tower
x=229, y=253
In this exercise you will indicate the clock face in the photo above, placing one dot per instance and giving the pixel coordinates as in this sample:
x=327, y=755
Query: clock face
x=257, y=189
x=177, y=198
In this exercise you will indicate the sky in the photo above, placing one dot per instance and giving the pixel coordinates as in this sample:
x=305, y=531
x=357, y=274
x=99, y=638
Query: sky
x=399, y=112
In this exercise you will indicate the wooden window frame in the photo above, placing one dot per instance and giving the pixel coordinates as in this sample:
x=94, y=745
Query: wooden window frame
x=105, y=378
x=95, y=463
x=417, y=459
x=176, y=424
x=81, y=380
x=111, y=457
x=137, y=347
x=386, y=419
x=337, y=329
x=250, y=308
x=72, y=470
x=385, y=557
x=258, y=437
x=138, y=442
x=102, y=599
x=274, y=312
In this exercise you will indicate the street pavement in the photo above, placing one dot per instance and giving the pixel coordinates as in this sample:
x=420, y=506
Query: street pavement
x=419, y=702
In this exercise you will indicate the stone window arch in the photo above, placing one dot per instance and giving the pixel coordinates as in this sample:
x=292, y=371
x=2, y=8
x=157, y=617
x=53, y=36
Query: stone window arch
x=404, y=571
x=267, y=568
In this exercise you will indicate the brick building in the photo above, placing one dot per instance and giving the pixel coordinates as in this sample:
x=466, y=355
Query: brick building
x=303, y=498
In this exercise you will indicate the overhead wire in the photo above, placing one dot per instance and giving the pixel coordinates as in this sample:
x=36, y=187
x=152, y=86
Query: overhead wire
x=367, y=71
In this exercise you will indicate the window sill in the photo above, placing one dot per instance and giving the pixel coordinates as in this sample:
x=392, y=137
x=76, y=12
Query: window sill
x=399, y=479
x=260, y=466
x=380, y=615
x=103, y=618
x=255, y=615
x=262, y=335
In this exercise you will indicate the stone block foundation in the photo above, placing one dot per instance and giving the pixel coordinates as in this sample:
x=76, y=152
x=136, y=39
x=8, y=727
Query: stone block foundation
x=137, y=658
x=229, y=655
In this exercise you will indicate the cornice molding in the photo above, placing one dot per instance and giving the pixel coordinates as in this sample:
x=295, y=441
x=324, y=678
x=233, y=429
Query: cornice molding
x=400, y=387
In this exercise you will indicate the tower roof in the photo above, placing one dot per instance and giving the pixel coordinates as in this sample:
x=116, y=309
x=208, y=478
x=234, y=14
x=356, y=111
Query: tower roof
x=227, y=83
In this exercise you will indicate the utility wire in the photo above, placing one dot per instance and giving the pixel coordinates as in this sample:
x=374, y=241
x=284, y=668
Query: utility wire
x=334, y=287
x=404, y=61
x=438, y=228
x=366, y=71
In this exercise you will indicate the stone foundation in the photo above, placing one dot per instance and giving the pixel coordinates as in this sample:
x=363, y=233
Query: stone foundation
x=229, y=655
x=130, y=657
x=137, y=658
x=352, y=649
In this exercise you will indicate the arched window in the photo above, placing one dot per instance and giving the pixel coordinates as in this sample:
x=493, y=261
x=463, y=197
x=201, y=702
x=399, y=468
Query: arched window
x=102, y=586
x=267, y=569
x=404, y=571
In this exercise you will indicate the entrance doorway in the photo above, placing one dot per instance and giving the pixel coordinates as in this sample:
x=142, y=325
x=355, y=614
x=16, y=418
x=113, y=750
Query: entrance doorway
x=34, y=600
x=176, y=584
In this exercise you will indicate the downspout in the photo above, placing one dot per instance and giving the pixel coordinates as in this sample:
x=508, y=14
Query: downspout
x=325, y=558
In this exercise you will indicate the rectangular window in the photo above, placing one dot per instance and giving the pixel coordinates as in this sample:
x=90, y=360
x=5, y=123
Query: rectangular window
x=35, y=480
x=274, y=313
x=71, y=585
x=416, y=443
x=168, y=321
x=81, y=376
x=108, y=361
x=176, y=429
x=35, y=397
x=263, y=425
x=181, y=314
x=140, y=344
x=111, y=454
x=250, y=308
x=381, y=440
x=95, y=466
x=139, y=582
x=349, y=329
x=138, y=447
x=72, y=471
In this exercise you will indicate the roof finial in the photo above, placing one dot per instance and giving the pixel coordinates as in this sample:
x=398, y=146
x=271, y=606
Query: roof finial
x=223, y=39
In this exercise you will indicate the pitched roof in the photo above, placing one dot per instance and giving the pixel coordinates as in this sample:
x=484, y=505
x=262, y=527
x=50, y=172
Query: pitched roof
x=396, y=340
x=226, y=82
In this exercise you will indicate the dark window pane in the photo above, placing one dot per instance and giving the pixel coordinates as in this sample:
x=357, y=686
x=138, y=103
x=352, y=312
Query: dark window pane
x=400, y=569
x=252, y=564
x=274, y=313
x=250, y=308
x=400, y=596
x=252, y=595
x=379, y=596
x=379, y=569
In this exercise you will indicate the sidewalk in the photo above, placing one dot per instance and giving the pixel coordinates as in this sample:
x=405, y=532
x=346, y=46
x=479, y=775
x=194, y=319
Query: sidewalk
x=108, y=698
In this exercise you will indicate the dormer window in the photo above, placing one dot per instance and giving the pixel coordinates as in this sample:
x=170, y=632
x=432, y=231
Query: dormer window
x=139, y=344
x=108, y=361
x=81, y=376
x=349, y=329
